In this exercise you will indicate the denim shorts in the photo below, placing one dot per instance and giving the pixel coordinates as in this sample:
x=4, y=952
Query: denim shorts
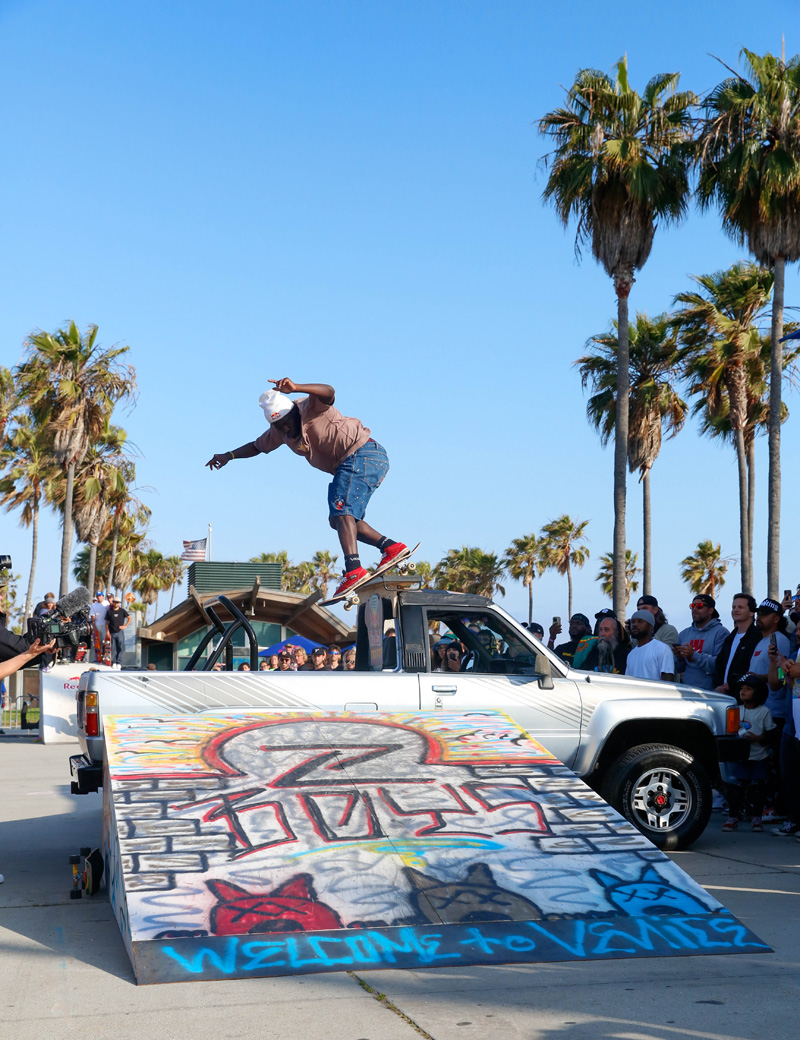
x=355, y=480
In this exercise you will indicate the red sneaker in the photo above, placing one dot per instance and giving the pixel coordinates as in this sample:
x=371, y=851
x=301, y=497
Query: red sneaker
x=392, y=552
x=349, y=579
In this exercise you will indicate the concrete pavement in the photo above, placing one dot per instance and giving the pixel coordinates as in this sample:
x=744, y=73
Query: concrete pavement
x=64, y=972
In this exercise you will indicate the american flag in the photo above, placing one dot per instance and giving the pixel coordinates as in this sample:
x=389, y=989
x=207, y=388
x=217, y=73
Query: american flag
x=194, y=550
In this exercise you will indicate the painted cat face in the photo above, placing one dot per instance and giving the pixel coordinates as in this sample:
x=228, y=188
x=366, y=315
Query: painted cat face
x=651, y=894
x=292, y=907
x=475, y=898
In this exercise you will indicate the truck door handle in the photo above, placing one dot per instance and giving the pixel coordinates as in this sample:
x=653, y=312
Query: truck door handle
x=448, y=691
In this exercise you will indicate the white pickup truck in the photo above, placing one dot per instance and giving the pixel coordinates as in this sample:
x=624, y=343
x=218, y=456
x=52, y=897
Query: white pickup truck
x=652, y=749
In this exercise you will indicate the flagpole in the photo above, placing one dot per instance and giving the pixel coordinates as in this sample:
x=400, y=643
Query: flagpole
x=209, y=543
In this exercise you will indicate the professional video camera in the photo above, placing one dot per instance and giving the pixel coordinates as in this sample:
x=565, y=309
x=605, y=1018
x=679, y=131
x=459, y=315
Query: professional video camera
x=75, y=606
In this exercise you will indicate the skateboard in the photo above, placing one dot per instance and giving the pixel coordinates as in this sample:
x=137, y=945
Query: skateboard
x=399, y=563
x=86, y=880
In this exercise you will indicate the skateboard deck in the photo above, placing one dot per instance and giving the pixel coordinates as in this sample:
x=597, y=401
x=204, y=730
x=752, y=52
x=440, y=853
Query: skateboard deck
x=399, y=563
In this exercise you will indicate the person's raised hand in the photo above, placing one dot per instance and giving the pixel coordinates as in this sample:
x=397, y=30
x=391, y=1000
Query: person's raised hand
x=285, y=385
x=218, y=461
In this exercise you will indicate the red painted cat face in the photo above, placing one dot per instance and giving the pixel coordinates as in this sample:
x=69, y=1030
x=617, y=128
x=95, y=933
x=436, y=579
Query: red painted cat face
x=292, y=907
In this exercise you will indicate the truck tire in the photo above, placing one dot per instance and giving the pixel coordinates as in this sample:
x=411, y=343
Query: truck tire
x=663, y=791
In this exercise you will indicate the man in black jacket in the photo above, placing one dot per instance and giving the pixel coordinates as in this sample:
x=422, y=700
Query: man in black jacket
x=733, y=660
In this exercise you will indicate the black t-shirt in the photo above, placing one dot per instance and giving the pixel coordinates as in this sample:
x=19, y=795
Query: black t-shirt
x=566, y=651
x=115, y=619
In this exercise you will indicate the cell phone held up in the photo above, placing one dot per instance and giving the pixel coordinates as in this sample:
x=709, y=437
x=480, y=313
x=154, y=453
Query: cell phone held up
x=556, y=620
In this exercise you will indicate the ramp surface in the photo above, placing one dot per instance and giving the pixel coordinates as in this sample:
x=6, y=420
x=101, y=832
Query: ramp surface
x=286, y=843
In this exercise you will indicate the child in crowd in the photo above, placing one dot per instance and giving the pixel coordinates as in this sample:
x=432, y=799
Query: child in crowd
x=755, y=724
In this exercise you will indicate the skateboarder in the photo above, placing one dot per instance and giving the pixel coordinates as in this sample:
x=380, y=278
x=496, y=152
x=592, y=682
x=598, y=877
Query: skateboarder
x=336, y=444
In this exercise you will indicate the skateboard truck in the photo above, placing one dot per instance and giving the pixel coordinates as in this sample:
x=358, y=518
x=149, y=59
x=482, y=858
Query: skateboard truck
x=86, y=880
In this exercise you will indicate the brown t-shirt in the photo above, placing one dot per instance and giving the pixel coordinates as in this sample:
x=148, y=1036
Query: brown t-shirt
x=326, y=436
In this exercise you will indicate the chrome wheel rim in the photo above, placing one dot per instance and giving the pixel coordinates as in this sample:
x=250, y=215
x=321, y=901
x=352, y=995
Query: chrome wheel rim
x=662, y=800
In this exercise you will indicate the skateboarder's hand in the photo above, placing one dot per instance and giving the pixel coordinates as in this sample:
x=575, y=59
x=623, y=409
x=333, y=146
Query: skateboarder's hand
x=285, y=385
x=218, y=461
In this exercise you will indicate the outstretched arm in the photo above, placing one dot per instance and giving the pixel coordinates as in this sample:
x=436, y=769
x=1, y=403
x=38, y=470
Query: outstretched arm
x=323, y=391
x=15, y=663
x=247, y=451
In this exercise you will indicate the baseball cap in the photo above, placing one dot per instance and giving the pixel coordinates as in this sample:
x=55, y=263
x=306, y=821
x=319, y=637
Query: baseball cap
x=644, y=615
x=705, y=598
x=583, y=618
x=605, y=612
x=319, y=650
x=649, y=601
x=769, y=605
x=275, y=405
x=535, y=627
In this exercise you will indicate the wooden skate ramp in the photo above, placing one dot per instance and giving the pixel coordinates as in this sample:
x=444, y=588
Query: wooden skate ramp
x=287, y=843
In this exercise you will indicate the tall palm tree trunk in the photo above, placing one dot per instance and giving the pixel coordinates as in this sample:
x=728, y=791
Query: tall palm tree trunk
x=647, y=574
x=92, y=567
x=744, y=532
x=113, y=563
x=751, y=499
x=34, y=551
x=530, y=603
x=172, y=594
x=622, y=284
x=774, y=478
x=66, y=541
x=569, y=592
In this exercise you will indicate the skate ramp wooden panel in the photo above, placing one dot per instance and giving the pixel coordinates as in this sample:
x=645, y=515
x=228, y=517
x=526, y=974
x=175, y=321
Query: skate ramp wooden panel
x=287, y=843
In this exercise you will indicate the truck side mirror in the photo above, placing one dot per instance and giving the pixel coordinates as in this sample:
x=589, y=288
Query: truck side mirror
x=544, y=672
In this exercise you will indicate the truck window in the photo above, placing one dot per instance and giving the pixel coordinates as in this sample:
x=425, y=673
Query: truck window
x=479, y=642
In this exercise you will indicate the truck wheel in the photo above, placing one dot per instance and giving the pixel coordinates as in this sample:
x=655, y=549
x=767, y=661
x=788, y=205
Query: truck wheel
x=663, y=791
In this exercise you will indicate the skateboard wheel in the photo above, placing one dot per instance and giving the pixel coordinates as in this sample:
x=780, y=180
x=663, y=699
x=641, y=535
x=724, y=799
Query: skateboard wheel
x=75, y=893
x=85, y=850
x=74, y=860
x=411, y=567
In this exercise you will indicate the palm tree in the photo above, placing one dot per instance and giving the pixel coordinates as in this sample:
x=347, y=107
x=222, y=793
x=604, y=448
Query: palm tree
x=281, y=557
x=560, y=551
x=131, y=546
x=606, y=574
x=469, y=569
x=174, y=572
x=324, y=564
x=522, y=562
x=29, y=473
x=99, y=479
x=748, y=154
x=654, y=405
x=297, y=577
x=704, y=571
x=619, y=167
x=717, y=328
x=9, y=401
x=152, y=578
x=71, y=387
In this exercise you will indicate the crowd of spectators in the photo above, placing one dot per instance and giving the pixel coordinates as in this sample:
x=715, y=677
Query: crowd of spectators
x=293, y=658
x=754, y=661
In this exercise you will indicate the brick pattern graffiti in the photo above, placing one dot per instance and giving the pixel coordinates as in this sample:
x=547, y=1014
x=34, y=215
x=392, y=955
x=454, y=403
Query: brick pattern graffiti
x=348, y=828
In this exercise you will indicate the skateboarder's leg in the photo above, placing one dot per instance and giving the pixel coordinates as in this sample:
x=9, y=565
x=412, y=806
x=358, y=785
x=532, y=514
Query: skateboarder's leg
x=353, y=484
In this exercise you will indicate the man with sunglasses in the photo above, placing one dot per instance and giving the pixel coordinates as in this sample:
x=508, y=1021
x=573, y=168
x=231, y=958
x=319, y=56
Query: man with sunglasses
x=334, y=659
x=336, y=444
x=700, y=644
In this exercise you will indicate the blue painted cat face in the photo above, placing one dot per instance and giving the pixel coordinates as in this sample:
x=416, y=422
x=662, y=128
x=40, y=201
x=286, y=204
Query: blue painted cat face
x=651, y=894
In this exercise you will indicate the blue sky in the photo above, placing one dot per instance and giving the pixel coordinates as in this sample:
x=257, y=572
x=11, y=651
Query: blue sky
x=349, y=193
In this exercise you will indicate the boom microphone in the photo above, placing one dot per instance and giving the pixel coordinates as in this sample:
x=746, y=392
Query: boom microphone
x=74, y=601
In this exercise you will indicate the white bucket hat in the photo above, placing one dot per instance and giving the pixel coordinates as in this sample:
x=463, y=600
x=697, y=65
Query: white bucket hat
x=275, y=405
